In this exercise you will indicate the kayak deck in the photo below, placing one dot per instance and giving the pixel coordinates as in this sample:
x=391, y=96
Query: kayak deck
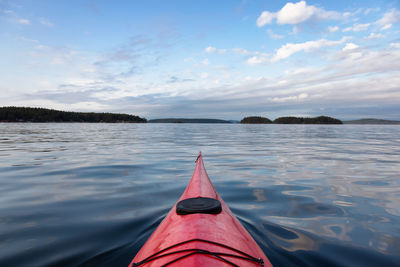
x=200, y=239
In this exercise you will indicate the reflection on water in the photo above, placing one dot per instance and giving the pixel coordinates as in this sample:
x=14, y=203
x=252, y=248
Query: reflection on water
x=91, y=194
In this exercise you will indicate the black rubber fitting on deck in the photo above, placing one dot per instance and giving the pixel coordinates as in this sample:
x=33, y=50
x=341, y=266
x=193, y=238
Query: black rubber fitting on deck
x=198, y=205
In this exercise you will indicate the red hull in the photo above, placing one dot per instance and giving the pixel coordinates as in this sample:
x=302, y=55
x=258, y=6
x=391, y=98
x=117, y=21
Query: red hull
x=221, y=228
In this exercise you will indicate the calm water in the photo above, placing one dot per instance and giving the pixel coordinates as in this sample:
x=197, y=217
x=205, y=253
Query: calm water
x=91, y=194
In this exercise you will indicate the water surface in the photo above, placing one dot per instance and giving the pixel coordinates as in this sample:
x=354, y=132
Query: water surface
x=91, y=194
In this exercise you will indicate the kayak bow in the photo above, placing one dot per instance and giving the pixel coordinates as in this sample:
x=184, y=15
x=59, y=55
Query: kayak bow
x=200, y=230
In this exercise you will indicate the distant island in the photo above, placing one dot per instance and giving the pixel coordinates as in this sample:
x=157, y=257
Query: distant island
x=300, y=120
x=26, y=114
x=371, y=121
x=182, y=120
x=291, y=120
x=255, y=120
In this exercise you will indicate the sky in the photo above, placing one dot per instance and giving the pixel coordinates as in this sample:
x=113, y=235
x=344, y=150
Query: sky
x=203, y=59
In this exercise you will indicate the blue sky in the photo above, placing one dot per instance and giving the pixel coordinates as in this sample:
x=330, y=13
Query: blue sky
x=214, y=59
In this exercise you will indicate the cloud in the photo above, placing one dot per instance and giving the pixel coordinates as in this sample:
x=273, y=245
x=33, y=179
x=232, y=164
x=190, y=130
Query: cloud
x=387, y=26
x=289, y=49
x=256, y=56
x=265, y=18
x=388, y=19
x=274, y=35
x=373, y=35
x=350, y=46
x=71, y=94
x=292, y=98
x=210, y=49
x=333, y=29
x=24, y=21
x=357, y=27
x=350, y=51
x=256, y=60
x=295, y=13
x=175, y=79
x=361, y=27
x=395, y=45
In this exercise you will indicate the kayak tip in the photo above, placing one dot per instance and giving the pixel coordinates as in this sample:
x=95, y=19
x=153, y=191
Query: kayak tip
x=198, y=157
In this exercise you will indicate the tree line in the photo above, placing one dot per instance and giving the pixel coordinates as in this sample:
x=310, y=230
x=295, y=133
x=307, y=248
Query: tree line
x=291, y=120
x=27, y=114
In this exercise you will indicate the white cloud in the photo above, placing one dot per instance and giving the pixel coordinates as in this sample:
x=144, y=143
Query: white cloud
x=357, y=27
x=347, y=29
x=295, y=13
x=292, y=98
x=373, y=35
x=256, y=56
x=352, y=51
x=395, y=45
x=211, y=49
x=333, y=28
x=265, y=18
x=289, y=49
x=95, y=106
x=360, y=27
x=274, y=35
x=346, y=15
x=326, y=15
x=388, y=19
x=387, y=26
x=256, y=60
x=350, y=46
x=24, y=21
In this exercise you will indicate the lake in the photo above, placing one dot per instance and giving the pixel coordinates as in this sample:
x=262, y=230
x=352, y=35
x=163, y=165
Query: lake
x=77, y=194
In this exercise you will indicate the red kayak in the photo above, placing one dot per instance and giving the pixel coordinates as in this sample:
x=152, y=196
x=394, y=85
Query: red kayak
x=200, y=230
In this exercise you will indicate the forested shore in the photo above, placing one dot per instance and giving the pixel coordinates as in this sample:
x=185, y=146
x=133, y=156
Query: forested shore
x=27, y=114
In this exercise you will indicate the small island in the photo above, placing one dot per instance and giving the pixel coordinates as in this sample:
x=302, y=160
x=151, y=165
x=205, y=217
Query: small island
x=255, y=120
x=26, y=114
x=292, y=120
x=301, y=120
